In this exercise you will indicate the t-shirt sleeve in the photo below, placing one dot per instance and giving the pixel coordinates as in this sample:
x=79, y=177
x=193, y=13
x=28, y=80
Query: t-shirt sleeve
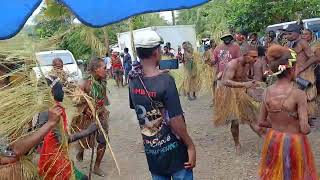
x=171, y=99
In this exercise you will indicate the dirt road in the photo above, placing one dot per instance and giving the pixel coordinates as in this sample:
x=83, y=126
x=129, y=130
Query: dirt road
x=216, y=159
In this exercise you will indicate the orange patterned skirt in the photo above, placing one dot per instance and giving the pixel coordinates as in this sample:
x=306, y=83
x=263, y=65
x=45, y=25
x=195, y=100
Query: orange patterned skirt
x=286, y=156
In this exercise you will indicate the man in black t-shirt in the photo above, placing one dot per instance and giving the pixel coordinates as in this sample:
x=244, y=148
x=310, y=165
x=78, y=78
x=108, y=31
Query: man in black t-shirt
x=169, y=149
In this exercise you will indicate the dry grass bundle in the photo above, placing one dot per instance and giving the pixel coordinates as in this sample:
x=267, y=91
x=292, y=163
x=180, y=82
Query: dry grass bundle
x=19, y=103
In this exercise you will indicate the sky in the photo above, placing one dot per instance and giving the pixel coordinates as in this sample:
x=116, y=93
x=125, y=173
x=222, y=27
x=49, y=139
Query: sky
x=37, y=11
x=166, y=15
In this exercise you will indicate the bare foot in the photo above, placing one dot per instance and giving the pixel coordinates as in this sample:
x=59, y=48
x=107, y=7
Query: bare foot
x=238, y=149
x=80, y=156
x=98, y=171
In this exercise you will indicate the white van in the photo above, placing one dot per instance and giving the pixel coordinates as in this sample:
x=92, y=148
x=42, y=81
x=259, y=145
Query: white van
x=312, y=24
x=44, y=61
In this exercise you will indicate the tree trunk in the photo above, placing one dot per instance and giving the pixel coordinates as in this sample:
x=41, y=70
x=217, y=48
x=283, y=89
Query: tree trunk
x=134, y=58
x=106, y=39
x=173, y=18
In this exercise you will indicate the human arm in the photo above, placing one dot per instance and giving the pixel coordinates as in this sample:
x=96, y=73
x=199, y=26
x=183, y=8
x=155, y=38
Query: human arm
x=178, y=125
x=265, y=69
x=262, y=118
x=177, y=121
x=312, y=59
x=303, y=112
x=228, y=76
x=84, y=133
x=23, y=146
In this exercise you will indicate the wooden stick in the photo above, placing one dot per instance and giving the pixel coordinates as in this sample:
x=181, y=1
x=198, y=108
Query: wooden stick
x=91, y=161
x=87, y=98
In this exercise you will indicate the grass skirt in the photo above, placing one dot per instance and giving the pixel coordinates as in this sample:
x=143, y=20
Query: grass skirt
x=11, y=171
x=191, y=79
x=234, y=104
x=21, y=170
x=82, y=121
x=311, y=92
x=286, y=156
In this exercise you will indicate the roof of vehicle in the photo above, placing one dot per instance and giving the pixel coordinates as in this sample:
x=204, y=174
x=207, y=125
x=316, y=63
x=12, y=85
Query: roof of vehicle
x=291, y=22
x=53, y=52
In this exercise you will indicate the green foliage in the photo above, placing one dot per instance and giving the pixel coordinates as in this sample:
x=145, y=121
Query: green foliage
x=72, y=41
x=209, y=19
x=218, y=16
x=45, y=29
x=255, y=16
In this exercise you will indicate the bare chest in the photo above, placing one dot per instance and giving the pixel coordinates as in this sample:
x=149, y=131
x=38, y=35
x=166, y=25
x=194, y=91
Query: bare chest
x=241, y=73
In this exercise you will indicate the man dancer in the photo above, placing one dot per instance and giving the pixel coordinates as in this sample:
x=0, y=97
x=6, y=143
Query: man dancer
x=305, y=58
x=95, y=86
x=237, y=106
x=308, y=35
x=260, y=66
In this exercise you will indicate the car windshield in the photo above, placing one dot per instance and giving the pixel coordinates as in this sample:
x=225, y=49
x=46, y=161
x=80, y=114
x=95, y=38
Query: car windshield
x=46, y=59
x=314, y=26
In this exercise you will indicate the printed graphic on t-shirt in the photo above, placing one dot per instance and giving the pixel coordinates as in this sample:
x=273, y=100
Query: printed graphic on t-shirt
x=224, y=56
x=150, y=122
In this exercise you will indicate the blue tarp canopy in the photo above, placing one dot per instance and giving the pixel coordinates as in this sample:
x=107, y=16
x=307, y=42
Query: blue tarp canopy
x=93, y=13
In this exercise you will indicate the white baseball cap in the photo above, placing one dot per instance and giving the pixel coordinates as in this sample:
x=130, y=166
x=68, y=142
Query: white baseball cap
x=147, y=39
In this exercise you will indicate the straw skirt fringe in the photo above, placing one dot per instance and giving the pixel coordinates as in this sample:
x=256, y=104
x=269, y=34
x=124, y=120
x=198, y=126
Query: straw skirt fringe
x=234, y=104
x=21, y=170
x=311, y=92
x=82, y=121
x=286, y=156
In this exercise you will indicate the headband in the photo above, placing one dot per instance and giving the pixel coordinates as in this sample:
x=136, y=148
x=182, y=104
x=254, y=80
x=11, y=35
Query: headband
x=53, y=82
x=283, y=67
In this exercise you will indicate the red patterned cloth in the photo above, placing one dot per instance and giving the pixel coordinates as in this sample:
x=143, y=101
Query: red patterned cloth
x=54, y=160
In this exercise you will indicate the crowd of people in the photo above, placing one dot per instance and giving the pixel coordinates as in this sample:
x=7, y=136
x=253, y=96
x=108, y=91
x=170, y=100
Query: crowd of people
x=260, y=85
x=270, y=86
